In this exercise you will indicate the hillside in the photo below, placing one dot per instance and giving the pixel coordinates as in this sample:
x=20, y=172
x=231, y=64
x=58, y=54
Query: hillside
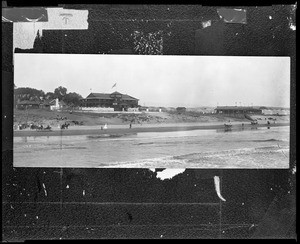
x=54, y=118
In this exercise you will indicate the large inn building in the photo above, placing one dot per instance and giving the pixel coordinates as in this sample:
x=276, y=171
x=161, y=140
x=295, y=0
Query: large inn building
x=115, y=100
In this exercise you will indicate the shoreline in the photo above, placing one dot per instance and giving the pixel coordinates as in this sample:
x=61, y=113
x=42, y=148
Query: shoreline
x=120, y=131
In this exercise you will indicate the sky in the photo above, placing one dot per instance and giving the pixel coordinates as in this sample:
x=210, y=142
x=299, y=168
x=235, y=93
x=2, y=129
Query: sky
x=161, y=80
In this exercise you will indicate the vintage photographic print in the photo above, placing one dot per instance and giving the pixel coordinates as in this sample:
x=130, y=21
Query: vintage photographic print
x=126, y=111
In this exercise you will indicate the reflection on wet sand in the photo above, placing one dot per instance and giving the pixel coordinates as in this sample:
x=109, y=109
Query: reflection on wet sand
x=249, y=147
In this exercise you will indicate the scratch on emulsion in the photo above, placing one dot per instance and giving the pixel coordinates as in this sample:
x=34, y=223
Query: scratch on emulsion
x=218, y=188
x=170, y=173
x=292, y=21
x=45, y=191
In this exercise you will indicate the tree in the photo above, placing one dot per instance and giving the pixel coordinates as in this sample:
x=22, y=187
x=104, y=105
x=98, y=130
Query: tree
x=27, y=93
x=49, y=96
x=60, y=92
x=73, y=99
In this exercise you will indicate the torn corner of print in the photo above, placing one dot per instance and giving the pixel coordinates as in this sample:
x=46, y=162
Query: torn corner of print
x=167, y=173
x=24, y=33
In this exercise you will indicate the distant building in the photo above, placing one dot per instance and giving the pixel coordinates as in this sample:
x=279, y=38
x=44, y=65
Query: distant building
x=28, y=104
x=115, y=100
x=238, y=110
x=181, y=109
x=55, y=104
x=45, y=105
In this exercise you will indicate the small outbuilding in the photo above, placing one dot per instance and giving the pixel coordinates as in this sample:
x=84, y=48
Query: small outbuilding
x=238, y=110
x=28, y=104
x=181, y=109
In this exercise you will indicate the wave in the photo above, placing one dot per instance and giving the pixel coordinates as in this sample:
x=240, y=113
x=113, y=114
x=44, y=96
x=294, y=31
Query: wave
x=203, y=157
x=270, y=140
x=144, y=143
x=106, y=136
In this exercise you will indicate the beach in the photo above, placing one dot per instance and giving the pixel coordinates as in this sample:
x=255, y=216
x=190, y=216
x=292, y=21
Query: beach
x=120, y=130
x=157, y=147
x=155, y=140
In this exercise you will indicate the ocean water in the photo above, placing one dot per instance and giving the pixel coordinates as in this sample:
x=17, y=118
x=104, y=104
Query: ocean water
x=249, y=148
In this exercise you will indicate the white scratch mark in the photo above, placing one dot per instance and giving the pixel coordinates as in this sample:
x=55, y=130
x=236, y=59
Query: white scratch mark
x=153, y=170
x=292, y=26
x=11, y=206
x=67, y=186
x=169, y=173
x=45, y=191
x=37, y=217
x=251, y=226
x=270, y=17
x=34, y=20
x=6, y=20
x=294, y=170
x=206, y=24
x=217, y=187
x=83, y=193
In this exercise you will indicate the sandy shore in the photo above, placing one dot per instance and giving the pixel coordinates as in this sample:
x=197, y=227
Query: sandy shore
x=120, y=130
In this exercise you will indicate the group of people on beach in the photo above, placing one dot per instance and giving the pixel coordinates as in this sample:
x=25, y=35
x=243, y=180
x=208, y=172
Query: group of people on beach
x=254, y=122
x=32, y=126
x=105, y=127
x=64, y=126
x=39, y=127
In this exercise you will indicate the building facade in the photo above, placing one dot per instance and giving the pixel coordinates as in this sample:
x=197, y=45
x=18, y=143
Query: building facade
x=238, y=110
x=55, y=104
x=115, y=100
x=27, y=104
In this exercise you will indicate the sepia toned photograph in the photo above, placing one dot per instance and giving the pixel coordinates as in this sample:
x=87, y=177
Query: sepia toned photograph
x=143, y=111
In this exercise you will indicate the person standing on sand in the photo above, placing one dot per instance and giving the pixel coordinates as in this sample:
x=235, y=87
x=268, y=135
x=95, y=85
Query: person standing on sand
x=130, y=126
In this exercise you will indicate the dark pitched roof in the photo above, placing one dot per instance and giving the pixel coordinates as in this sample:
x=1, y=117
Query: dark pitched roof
x=52, y=102
x=99, y=96
x=116, y=93
x=46, y=103
x=127, y=97
x=107, y=96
